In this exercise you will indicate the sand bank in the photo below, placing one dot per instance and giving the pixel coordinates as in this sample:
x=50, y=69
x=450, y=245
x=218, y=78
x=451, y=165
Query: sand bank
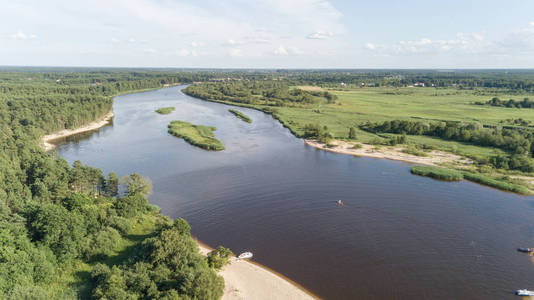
x=247, y=280
x=47, y=139
x=434, y=158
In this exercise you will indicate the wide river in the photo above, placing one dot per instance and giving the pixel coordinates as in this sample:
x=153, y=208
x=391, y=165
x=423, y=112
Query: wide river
x=398, y=236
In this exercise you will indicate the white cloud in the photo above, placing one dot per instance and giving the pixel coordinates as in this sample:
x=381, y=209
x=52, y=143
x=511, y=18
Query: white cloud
x=370, y=46
x=531, y=23
x=175, y=28
x=21, y=36
x=183, y=52
x=320, y=35
x=284, y=51
x=281, y=51
x=462, y=43
x=236, y=52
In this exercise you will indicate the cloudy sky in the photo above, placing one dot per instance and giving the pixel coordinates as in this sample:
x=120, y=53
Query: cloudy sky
x=268, y=33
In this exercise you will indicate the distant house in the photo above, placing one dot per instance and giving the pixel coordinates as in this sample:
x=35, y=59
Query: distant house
x=342, y=84
x=419, y=84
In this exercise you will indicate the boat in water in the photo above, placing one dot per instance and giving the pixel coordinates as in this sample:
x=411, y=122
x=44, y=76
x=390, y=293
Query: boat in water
x=524, y=293
x=526, y=250
x=245, y=255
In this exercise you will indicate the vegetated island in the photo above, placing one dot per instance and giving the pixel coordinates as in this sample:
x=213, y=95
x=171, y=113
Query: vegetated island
x=240, y=115
x=165, y=110
x=196, y=135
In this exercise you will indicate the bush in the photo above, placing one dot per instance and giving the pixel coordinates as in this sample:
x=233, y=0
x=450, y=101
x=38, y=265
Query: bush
x=218, y=258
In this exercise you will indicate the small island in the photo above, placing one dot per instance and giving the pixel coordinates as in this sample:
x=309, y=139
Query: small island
x=240, y=115
x=196, y=135
x=165, y=110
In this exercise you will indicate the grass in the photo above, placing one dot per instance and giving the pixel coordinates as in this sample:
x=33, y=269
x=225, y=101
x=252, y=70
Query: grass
x=240, y=115
x=358, y=105
x=454, y=175
x=196, y=135
x=414, y=151
x=497, y=183
x=165, y=110
x=437, y=173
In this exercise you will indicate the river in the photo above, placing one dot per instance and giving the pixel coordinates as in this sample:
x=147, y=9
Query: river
x=398, y=236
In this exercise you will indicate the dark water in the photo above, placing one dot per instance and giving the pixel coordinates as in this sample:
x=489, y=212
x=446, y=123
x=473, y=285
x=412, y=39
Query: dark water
x=397, y=237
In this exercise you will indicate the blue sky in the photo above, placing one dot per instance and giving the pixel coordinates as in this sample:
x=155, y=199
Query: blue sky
x=268, y=33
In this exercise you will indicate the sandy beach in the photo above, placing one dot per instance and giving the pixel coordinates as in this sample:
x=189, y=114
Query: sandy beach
x=47, y=139
x=434, y=158
x=247, y=280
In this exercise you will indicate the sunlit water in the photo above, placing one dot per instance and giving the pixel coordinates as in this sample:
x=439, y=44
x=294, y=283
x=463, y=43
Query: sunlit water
x=398, y=236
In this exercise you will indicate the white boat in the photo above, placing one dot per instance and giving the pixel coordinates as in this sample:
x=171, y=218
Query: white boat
x=524, y=293
x=245, y=255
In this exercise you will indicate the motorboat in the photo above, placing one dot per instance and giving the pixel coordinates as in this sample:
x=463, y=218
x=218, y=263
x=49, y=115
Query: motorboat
x=524, y=293
x=245, y=255
x=526, y=250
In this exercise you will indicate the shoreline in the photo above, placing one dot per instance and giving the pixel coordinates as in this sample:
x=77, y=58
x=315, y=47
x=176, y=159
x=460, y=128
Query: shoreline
x=245, y=279
x=434, y=158
x=47, y=140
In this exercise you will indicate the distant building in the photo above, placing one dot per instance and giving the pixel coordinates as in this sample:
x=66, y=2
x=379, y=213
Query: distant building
x=419, y=84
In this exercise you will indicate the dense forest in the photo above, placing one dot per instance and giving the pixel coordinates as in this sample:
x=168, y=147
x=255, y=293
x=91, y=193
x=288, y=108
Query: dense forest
x=63, y=227
x=271, y=93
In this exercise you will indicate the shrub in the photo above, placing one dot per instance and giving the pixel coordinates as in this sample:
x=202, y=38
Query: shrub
x=218, y=258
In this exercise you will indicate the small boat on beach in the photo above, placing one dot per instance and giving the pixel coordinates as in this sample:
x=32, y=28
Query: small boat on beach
x=525, y=250
x=524, y=293
x=245, y=255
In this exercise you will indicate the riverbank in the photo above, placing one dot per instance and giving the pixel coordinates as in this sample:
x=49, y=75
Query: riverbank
x=247, y=280
x=48, y=139
x=432, y=158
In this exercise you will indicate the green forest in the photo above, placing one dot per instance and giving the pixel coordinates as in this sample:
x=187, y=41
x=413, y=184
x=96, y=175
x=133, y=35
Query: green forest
x=71, y=232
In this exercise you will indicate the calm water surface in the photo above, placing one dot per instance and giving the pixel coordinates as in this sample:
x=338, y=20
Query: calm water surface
x=397, y=237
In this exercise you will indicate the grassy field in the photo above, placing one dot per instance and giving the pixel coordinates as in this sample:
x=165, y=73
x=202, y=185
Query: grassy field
x=359, y=105
x=240, y=115
x=196, y=135
x=165, y=110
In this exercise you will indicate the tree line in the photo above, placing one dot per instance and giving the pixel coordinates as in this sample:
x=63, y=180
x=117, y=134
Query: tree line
x=519, y=143
x=511, y=103
x=271, y=93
